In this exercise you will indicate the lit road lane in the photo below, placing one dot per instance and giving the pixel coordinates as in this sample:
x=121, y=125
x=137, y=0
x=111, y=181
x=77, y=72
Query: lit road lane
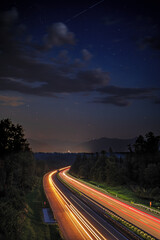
x=71, y=222
x=103, y=228
x=68, y=225
x=77, y=215
x=141, y=219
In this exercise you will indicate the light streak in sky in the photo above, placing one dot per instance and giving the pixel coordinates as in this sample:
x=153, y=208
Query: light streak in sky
x=85, y=10
x=96, y=4
x=80, y=219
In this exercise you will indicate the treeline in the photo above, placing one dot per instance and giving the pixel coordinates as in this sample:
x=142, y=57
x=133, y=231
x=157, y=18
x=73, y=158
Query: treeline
x=20, y=172
x=17, y=177
x=46, y=162
x=140, y=169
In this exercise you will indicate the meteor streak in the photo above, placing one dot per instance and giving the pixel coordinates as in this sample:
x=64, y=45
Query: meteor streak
x=85, y=10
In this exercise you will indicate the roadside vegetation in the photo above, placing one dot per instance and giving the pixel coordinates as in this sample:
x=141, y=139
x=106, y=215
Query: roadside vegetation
x=134, y=178
x=129, y=228
x=21, y=190
x=33, y=224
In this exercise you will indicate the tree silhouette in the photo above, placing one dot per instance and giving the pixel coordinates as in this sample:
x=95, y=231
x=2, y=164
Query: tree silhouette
x=12, y=138
x=17, y=176
x=140, y=145
x=152, y=143
x=149, y=146
x=140, y=167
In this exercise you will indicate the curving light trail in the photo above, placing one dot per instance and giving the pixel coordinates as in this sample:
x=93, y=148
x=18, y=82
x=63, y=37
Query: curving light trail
x=143, y=220
x=81, y=223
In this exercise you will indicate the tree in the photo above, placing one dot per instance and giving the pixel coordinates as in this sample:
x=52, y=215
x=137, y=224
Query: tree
x=17, y=169
x=152, y=143
x=110, y=151
x=140, y=145
x=151, y=175
x=130, y=148
x=17, y=162
x=12, y=138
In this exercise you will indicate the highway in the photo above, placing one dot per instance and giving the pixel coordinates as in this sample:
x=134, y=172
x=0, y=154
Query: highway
x=76, y=220
x=139, y=218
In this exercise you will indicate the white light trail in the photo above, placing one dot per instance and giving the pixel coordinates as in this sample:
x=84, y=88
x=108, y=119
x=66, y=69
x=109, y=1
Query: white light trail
x=80, y=219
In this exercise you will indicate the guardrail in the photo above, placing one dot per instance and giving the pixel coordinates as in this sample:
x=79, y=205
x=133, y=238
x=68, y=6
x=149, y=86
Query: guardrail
x=128, y=229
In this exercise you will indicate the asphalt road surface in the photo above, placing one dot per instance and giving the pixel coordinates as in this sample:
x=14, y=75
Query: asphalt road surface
x=145, y=221
x=75, y=219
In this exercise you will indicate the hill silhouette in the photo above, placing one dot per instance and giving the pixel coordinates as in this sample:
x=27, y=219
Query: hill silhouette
x=97, y=145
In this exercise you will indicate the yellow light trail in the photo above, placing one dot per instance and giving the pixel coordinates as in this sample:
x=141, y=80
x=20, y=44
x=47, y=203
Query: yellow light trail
x=143, y=220
x=79, y=218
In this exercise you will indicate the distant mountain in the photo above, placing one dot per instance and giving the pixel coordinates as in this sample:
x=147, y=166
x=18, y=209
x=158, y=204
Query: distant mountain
x=97, y=145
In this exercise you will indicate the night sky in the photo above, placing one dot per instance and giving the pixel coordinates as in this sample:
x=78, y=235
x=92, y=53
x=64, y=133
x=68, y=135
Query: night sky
x=73, y=71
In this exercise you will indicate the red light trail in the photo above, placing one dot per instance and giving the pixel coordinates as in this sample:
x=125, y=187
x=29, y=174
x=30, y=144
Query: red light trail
x=139, y=218
x=77, y=220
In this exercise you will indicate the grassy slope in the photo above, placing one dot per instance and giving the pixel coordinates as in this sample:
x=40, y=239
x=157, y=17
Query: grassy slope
x=34, y=227
x=125, y=193
x=122, y=192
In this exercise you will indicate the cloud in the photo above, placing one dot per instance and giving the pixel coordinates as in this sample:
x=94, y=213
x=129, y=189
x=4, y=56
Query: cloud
x=24, y=70
x=63, y=56
x=55, y=80
x=113, y=100
x=58, y=35
x=11, y=101
x=148, y=32
x=123, y=97
x=129, y=92
x=86, y=55
x=28, y=71
x=9, y=17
